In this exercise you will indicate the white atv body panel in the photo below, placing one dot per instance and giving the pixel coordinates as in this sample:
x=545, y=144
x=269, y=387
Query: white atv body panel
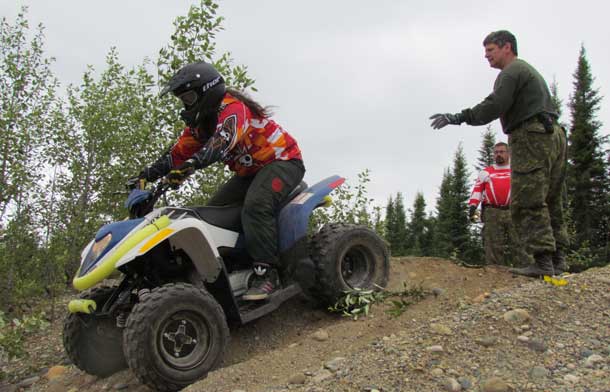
x=198, y=239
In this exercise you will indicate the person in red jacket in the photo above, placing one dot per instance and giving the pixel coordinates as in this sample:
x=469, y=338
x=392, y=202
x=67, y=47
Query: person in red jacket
x=223, y=124
x=492, y=190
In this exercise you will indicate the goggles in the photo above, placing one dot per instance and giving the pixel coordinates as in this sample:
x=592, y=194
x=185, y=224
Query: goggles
x=188, y=98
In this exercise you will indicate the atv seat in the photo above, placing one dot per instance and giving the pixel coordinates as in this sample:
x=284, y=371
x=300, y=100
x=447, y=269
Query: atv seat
x=229, y=216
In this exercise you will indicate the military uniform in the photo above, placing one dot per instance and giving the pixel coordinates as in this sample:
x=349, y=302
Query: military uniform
x=500, y=240
x=522, y=101
x=539, y=170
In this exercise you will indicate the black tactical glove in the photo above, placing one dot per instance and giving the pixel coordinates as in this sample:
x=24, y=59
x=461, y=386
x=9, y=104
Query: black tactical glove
x=177, y=176
x=440, y=120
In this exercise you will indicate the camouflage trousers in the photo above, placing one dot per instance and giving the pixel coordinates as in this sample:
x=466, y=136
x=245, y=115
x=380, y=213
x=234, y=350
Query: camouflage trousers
x=500, y=239
x=538, y=163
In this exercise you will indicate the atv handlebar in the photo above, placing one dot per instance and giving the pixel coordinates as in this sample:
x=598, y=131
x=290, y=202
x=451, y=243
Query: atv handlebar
x=138, y=209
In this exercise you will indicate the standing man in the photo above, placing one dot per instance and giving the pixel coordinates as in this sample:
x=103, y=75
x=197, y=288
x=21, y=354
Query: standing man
x=522, y=101
x=492, y=191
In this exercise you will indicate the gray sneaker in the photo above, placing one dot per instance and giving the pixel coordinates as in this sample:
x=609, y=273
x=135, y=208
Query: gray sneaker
x=266, y=281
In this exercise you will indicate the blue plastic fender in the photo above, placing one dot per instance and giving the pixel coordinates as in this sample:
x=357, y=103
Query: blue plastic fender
x=294, y=217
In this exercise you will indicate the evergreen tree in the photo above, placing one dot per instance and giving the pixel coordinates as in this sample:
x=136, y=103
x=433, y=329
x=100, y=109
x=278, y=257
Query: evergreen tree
x=460, y=190
x=453, y=235
x=417, y=228
x=486, y=152
x=588, y=179
x=401, y=225
x=555, y=99
x=395, y=225
x=389, y=219
x=443, y=244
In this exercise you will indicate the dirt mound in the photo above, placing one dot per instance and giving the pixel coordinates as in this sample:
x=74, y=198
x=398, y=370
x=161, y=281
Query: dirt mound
x=427, y=348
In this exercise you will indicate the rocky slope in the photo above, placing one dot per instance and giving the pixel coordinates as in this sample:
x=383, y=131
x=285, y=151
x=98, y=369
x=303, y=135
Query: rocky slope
x=478, y=330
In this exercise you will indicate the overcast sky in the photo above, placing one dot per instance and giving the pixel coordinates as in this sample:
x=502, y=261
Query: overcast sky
x=353, y=81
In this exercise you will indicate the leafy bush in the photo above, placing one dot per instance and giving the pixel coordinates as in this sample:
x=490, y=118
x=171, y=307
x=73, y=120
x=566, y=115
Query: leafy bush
x=357, y=302
x=13, y=333
x=349, y=205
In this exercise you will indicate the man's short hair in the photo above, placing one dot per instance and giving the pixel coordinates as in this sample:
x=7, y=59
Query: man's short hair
x=500, y=144
x=501, y=38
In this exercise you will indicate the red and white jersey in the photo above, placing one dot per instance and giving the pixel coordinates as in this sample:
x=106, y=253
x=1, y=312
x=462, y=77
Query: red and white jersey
x=251, y=142
x=492, y=187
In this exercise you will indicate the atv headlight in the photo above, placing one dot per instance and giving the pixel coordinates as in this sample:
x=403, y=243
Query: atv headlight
x=99, y=246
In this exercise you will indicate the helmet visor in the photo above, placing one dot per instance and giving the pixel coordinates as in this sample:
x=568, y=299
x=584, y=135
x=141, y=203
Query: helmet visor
x=188, y=98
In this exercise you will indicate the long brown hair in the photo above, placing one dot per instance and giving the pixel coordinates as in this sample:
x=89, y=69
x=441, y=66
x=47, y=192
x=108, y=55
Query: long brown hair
x=256, y=108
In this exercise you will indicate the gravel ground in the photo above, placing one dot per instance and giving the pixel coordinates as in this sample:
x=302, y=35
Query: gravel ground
x=532, y=337
x=479, y=330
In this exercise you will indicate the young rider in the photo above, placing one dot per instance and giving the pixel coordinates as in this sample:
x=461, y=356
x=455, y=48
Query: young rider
x=223, y=124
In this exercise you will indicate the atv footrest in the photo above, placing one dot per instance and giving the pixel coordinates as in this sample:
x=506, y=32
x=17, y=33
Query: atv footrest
x=254, y=310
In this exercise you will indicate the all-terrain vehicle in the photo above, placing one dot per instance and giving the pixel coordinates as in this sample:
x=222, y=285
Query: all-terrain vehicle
x=183, y=271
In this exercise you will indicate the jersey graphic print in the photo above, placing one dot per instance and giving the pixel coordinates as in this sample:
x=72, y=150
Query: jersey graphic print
x=241, y=140
x=255, y=141
x=492, y=187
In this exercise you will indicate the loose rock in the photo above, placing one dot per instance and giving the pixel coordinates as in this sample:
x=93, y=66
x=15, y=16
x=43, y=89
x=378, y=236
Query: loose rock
x=517, y=316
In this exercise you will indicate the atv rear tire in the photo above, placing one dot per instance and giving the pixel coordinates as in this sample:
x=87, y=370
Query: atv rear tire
x=174, y=336
x=348, y=257
x=93, y=343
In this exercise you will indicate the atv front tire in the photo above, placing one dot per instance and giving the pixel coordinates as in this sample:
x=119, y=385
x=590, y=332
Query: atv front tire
x=348, y=257
x=174, y=336
x=94, y=343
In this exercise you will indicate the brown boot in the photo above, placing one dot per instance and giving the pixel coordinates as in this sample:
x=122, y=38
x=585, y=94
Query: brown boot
x=542, y=266
x=559, y=262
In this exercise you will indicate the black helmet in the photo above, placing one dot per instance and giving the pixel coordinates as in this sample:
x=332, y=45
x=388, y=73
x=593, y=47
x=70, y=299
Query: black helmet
x=201, y=89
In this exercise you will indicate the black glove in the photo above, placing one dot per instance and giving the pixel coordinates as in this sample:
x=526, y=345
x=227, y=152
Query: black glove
x=440, y=120
x=177, y=176
x=472, y=210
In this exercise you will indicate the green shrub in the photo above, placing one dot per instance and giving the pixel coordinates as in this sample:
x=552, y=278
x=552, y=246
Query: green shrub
x=13, y=333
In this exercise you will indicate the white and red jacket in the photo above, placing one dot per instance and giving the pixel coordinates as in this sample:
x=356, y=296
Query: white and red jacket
x=492, y=187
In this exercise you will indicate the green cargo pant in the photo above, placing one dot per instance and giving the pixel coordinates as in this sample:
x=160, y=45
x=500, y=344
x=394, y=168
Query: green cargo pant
x=538, y=162
x=261, y=195
x=500, y=239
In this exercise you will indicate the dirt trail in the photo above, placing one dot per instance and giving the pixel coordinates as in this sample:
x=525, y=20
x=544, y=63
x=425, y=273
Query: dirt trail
x=273, y=349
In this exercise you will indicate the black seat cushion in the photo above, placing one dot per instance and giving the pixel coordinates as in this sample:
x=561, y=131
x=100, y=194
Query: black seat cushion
x=227, y=217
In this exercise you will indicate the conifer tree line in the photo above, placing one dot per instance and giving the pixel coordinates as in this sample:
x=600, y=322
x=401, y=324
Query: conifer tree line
x=66, y=152
x=447, y=232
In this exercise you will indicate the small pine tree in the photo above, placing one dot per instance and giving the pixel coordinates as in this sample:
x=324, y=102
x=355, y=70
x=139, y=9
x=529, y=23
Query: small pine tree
x=401, y=225
x=460, y=189
x=486, y=152
x=396, y=225
x=555, y=100
x=389, y=220
x=443, y=245
x=453, y=237
x=417, y=228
